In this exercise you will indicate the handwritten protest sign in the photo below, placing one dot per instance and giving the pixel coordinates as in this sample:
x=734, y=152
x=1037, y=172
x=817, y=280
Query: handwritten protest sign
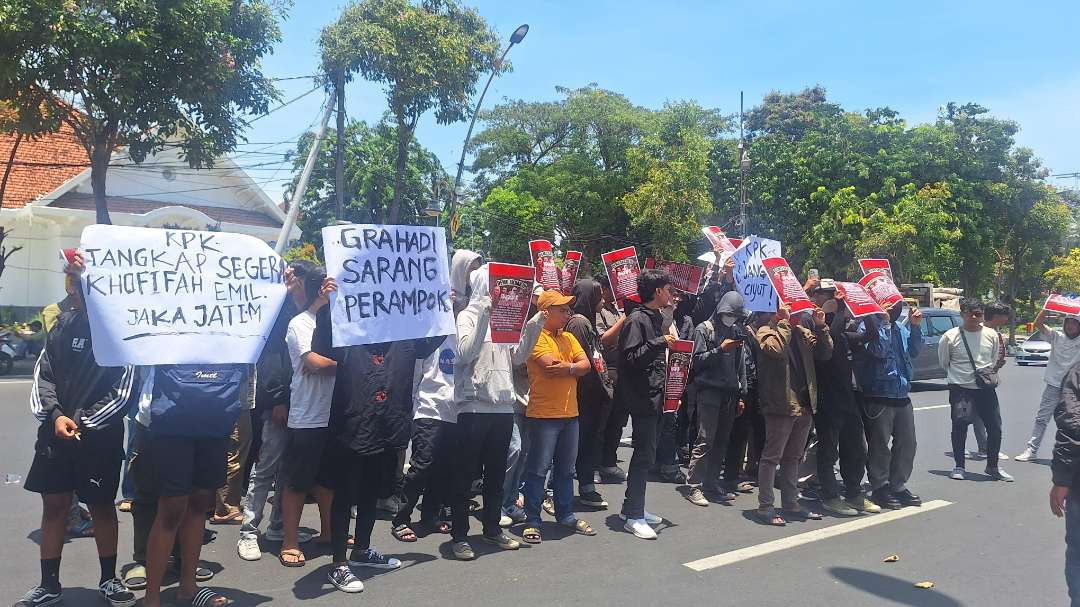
x=393, y=283
x=622, y=270
x=787, y=285
x=1063, y=304
x=877, y=265
x=859, y=301
x=568, y=275
x=158, y=297
x=685, y=277
x=882, y=289
x=543, y=258
x=680, y=356
x=751, y=279
x=511, y=289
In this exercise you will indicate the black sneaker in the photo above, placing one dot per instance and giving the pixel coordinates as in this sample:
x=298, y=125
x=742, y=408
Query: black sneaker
x=373, y=558
x=344, y=579
x=883, y=498
x=116, y=593
x=907, y=498
x=40, y=597
x=593, y=499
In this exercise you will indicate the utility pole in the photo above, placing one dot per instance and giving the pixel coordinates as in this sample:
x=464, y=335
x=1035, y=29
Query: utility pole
x=339, y=169
x=305, y=176
x=744, y=168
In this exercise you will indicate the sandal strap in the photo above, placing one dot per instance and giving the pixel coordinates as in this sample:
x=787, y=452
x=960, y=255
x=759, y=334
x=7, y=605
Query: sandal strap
x=205, y=597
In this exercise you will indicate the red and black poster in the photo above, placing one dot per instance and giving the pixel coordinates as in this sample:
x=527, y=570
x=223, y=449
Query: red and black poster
x=877, y=265
x=622, y=270
x=511, y=292
x=1062, y=304
x=882, y=289
x=858, y=299
x=685, y=277
x=720, y=241
x=680, y=355
x=543, y=258
x=787, y=285
x=568, y=275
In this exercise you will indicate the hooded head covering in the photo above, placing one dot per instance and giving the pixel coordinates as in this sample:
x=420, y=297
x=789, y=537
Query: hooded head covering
x=459, y=276
x=588, y=294
x=731, y=303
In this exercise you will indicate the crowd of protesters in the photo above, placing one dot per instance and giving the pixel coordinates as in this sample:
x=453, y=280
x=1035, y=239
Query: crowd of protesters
x=501, y=432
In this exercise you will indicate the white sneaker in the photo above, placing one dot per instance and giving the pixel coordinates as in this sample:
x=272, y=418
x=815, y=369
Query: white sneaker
x=345, y=580
x=640, y=528
x=505, y=521
x=650, y=518
x=1026, y=456
x=248, y=549
x=957, y=474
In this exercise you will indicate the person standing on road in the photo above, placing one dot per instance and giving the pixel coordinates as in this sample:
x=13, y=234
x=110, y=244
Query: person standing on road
x=997, y=317
x=1064, y=353
x=969, y=355
x=720, y=385
x=609, y=323
x=1066, y=475
x=643, y=346
x=556, y=363
x=79, y=450
x=788, y=396
x=883, y=374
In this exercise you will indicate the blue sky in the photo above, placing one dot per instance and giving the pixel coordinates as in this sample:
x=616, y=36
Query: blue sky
x=1019, y=59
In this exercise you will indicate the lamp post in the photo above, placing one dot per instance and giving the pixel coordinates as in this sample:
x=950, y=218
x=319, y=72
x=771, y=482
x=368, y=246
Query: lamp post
x=744, y=169
x=516, y=37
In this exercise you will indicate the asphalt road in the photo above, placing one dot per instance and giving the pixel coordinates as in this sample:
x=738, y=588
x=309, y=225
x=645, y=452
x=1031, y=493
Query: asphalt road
x=994, y=543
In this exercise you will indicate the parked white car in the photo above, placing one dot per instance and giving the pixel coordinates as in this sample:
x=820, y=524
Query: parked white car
x=1034, y=350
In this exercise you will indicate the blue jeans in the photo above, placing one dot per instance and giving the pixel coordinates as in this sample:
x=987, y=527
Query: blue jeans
x=1072, y=546
x=515, y=462
x=553, y=445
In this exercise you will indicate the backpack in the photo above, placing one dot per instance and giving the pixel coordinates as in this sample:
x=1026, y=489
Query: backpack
x=198, y=401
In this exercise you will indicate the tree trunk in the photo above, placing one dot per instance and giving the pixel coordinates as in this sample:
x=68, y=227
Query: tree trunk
x=404, y=135
x=99, y=166
x=7, y=170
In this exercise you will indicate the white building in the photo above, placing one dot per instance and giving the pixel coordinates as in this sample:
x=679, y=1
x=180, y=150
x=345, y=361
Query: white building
x=48, y=202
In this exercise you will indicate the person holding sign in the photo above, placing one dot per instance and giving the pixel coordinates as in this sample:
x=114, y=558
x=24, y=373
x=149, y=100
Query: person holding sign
x=788, y=392
x=1064, y=354
x=883, y=376
x=556, y=363
x=609, y=324
x=485, y=395
x=80, y=448
x=642, y=374
x=720, y=384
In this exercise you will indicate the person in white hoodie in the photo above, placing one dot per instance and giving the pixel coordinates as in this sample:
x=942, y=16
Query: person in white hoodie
x=485, y=395
x=1065, y=354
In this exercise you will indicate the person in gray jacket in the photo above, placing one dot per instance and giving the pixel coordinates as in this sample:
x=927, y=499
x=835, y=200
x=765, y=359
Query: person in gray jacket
x=485, y=395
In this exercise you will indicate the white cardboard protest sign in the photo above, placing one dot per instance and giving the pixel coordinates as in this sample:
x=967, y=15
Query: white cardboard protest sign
x=393, y=283
x=158, y=297
x=751, y=279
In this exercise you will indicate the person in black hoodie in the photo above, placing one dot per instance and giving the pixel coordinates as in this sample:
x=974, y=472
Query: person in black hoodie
x=370, y=421
x=1065, y=470
x=642, y=374
x=720, y=386
x=80, y=448
x=594, y=390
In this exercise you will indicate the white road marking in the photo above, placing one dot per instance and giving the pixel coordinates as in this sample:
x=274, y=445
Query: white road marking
x=750, y=552
x=931, y=407
x=28, y=380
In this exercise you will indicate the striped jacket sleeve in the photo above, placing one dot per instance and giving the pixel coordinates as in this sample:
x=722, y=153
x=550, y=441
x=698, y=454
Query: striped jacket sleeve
x=43, y=401
x=115, y=403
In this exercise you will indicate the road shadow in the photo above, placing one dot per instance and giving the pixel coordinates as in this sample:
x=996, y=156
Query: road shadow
x=315, y=583
x=977, y=477
x=892, y=589
x=928, y=386
x=168, y=596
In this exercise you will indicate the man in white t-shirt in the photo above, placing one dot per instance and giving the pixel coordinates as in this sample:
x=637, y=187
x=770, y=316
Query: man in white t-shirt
x=1064, y=354
x=962, y=352
x=309, y=415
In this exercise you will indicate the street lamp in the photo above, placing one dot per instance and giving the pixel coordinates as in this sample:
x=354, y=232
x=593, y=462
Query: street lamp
x=516, y=37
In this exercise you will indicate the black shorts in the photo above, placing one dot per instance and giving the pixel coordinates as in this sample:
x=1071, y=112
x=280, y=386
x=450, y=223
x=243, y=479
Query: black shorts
x=302, y=465
x=90, y=466
x=171, y=466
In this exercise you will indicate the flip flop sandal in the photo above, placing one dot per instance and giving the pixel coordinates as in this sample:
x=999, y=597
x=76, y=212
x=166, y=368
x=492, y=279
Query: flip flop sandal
x=206, y=597
x=135, y=578
x=803, y=514
x=744, y=487
x=300, y=559
x=770, y=517
x=444, y=527
x=233, y=518
x=403, y=533
x=531, y=535
x=580, y=527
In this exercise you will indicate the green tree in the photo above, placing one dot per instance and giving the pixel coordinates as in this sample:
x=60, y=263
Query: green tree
x=1064, y=277
x=370, y=184
x=137, y=73
x=429, y=56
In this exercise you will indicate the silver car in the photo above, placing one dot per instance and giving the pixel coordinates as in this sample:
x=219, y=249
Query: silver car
x=1034, y=350
x=936, y=321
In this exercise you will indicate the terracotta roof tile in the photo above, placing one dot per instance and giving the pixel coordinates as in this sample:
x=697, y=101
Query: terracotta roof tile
x=27, y=183
x=138, y=206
